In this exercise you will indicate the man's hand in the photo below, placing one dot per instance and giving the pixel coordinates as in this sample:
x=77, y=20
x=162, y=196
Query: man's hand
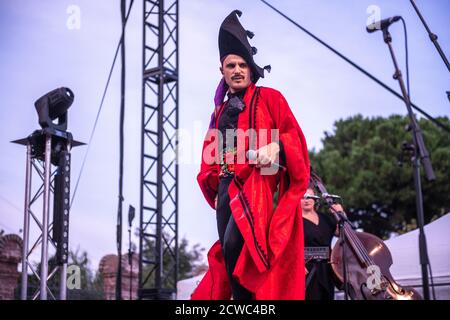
x=215, y=202
x=267, y=155
x=337, y=208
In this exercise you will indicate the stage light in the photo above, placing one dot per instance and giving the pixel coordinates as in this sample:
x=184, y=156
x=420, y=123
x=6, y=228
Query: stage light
x=53, y=106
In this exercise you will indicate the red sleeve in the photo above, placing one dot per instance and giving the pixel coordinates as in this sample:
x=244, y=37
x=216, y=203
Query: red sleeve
x=208, y=177
x=294, y=144
x=297, y=163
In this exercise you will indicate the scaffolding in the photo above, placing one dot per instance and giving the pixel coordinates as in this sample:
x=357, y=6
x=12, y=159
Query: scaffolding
x=158, y=232
x=48, y=157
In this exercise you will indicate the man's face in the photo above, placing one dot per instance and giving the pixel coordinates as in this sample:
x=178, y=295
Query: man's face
x=236, y=72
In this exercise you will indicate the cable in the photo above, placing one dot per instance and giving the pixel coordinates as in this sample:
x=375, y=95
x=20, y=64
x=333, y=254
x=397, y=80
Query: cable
x=100, y=108
x=406, y=57
x=436, y=122
x=121, y=145
x=431, y=280
x=433, y=37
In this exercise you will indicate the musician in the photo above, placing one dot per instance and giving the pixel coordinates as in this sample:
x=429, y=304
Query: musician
x=319, y=228
x=259, y=254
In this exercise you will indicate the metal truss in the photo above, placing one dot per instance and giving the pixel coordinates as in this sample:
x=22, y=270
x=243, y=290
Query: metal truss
x=158, y=243
x=48, y=158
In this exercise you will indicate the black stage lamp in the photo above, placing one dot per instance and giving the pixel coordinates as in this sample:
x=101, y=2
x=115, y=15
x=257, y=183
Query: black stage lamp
x=52, y=106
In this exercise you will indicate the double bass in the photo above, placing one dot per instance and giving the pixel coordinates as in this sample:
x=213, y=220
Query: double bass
x=366, y=260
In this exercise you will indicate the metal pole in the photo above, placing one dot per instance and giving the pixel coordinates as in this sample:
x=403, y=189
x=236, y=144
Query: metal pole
x=130, y=258
x=423, y=253
x=131, y=278
x=121, y=138
x=141, y=194
x=63, y=271
x=419, y=150
x=26, y=225
x=159, y=204
x=63, y=282
x=433, y=37
x=45, y=215
x=177, y=261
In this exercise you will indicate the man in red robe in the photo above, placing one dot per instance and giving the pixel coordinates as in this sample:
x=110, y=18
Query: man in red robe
x=254, y=152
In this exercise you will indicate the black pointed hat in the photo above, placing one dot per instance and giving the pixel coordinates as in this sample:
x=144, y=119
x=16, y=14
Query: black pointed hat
x=233, y=40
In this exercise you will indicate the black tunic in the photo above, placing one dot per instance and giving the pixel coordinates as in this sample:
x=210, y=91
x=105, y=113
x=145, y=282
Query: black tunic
x=229, y=235
x=321, y=286
x=228, y=122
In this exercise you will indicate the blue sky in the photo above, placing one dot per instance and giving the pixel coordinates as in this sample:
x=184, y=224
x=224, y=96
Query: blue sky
x=39, y=53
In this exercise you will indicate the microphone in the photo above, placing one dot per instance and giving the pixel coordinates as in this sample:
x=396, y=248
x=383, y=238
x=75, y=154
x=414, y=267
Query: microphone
x=253, y=154
x=310, y=196
x=330, y=196
x=383, y=24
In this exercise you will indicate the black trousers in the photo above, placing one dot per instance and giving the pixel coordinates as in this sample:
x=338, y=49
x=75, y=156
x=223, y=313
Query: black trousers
x=230, y=238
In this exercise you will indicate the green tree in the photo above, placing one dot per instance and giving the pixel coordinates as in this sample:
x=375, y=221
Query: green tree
x=190, y=260
x=91, y=287
x=91, y=284
x=359, y=161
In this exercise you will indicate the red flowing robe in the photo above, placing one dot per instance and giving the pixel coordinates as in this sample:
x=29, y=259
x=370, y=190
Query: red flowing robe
x=271, y=263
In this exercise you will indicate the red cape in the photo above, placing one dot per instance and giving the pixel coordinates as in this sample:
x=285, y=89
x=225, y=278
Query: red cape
x=271, y=262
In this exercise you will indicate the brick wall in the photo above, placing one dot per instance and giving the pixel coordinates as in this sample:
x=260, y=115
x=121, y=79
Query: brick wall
x=108, y=270
x=10, y=257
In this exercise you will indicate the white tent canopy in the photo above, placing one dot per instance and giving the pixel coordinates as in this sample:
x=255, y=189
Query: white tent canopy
x=406, y=268
x=187, y=286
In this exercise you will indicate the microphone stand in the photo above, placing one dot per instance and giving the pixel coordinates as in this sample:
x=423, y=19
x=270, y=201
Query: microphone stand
x=341, y=225
x=342, y=220
x=433, y=37
x=420, y=156
x=130, y=261
x=131, y=213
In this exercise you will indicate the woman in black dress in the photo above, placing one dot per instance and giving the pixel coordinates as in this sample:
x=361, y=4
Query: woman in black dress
x=319, y=229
